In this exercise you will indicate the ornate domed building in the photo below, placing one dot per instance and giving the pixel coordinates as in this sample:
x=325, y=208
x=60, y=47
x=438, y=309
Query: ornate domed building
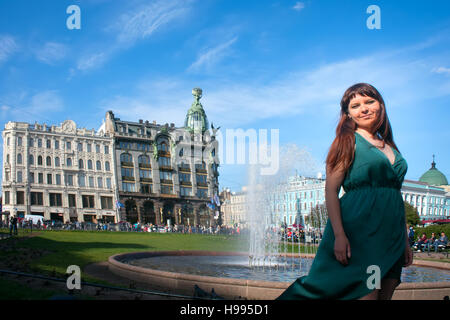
x=430, y=195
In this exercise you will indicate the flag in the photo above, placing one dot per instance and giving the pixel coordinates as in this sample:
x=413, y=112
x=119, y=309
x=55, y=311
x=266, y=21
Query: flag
x=216, y=198
x=119, y=204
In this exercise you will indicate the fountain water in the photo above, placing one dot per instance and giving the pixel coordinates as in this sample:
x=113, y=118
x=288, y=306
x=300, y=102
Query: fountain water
x=270, y=240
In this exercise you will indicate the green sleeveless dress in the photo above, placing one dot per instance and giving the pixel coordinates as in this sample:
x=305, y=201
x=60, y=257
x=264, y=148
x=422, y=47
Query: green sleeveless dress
x=373, y=218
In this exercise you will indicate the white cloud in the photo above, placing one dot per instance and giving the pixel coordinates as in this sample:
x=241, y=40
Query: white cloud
x=212, y=56
x=144, y=21
x=441, y=70
x=299, y=6
x=92, y=61
x=51, y=53
x=7, y=47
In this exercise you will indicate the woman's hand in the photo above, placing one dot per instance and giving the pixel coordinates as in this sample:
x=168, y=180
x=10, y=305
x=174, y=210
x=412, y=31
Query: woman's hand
x=408, y=256
x=342, y=249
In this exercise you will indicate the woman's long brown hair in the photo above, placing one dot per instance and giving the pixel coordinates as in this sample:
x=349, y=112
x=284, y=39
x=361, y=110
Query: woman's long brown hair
x=342, y=150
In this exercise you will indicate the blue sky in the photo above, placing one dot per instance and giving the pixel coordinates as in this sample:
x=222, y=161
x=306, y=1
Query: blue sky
x=261, y=64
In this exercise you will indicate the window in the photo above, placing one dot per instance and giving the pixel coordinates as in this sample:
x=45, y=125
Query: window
x=89, y=147
x=31, y=142
x=69, y=180
x=81, y=180
x=126, y=157
x=19, y=176
x=37, y=199
x=163, y=146
x=40, y=178
x=80, y=147
x=164, y=161
x=91, y=182
x=166, y=189
x=58, y=179
x=88, y=201
x=80, y=164
x=146, y=188
x=31, y=178
x=107, y=167
x=143, y=159
x=48, y=161
x=57, y=162
x=7, y=158
x=68, y=145
x=108, y=183
x=20, y=197
x=185, y=191
x=186, y=177
x=19, y=141
x=49, y=178
x=127, y=172
x=106, y=150
x=202, y=193
x=6, y=199
x=99, y=182
x=39, y=143
x=98, y=165
x=31, y=160
x=55, y=199
x=72, y=200
x=56, y=144
x=106, y=202
x=69, y=162
x=145, y=174
x=49, y=144
x=201, y=178
x=89, y=164
x=7, y=141
x=97, y=148
x=19, y=158
x=164, y=175
x=128, y=187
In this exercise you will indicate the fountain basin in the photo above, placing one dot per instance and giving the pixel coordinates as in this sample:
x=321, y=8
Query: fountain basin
x=230, y=288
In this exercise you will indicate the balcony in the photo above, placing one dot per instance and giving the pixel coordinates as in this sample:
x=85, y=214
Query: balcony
x=186, y=183
x=201, y=170
x=165, y=168
x=127, y=178
x=184, y=169
x=145, y=165
x=163, y=181
x=202, y=184
x=150, y=180
x=127, y=164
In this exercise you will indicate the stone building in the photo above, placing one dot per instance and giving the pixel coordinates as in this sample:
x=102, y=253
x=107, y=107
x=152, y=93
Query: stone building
x=166, y=174
x=61, y=172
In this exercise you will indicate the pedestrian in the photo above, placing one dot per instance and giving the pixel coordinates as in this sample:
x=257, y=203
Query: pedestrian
x=366, y=227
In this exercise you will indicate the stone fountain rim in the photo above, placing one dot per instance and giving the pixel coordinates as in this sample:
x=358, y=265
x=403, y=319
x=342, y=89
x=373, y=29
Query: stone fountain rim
x=114, y=261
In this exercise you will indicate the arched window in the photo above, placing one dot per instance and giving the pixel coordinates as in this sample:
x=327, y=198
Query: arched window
x=89, y=166
x=19, y=158
x=144, y=159
x=126, y=157
x=39, y=160
x=57, y=162
x=107, y=167
x=80, y=164
x=69, y=162
x=31, y=159
x=98, y=165
x=48, y=161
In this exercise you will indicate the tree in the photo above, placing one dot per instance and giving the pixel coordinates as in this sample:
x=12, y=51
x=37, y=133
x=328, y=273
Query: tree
x=411, y=215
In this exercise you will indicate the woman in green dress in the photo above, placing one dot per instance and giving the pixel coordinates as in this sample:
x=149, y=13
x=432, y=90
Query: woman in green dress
x=365, y=242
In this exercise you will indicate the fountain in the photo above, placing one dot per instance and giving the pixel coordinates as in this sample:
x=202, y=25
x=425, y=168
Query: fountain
x=274, y=259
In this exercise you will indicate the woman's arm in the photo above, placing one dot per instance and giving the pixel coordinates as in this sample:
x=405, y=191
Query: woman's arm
x=332, y=186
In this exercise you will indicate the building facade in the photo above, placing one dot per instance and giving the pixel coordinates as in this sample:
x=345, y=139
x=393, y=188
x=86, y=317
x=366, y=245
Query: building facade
x=62, y=173
x=430, y=195
x=166, y=174
x=159, y=174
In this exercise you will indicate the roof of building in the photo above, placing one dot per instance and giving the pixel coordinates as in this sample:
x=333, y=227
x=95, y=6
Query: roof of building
x=433, y=176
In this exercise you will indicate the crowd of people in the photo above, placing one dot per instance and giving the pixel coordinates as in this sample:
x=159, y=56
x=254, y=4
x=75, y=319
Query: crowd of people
x=422, y=243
